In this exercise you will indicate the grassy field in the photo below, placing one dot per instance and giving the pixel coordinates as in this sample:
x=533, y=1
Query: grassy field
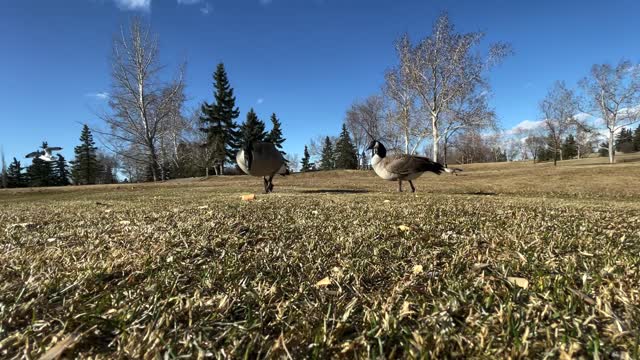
x=506, y=260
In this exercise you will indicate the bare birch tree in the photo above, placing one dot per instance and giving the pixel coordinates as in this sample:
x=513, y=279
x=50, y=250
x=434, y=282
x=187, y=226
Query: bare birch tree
x=613, y=94
x=559, y=108
x=397, y=88
x=466, y=111
x=444, y=67
x=367, y=120
x=4, y=178
x=141, y=104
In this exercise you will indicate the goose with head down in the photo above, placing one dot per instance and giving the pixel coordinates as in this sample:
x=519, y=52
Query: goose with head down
x=400, y=167
x=262, y=159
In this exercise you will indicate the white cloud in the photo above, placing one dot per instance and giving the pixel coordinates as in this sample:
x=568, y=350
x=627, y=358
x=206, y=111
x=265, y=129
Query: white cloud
x=583, y=116
x=99, y=95
x=260, y=101
x=528, y=125
x=144, y=5
x=206, y=9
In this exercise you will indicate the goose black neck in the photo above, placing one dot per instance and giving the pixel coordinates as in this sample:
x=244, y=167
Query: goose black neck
x=381, y=151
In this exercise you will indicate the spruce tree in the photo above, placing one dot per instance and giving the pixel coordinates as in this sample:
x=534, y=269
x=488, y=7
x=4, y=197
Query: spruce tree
x=218, y=121
x=569, y=147
x=327, y=159
x=346, y=156
x=15, y=177
x=305, y=164
x=41, y=172
x=275, y=135
x=252, y=129
x=84, y=169
x=61, y=171
x=624, y=141
x=603, y=149
x=636, y=139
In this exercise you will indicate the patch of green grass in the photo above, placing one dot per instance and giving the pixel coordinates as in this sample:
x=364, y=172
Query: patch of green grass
x=470, y=266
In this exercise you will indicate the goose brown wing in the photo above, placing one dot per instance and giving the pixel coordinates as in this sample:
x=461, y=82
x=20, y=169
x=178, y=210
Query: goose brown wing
x=409, y=164
x=268, y=150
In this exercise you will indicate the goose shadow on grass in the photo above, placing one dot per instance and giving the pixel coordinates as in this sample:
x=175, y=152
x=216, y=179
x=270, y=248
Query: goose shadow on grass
x=480, y=193
x=334, y=191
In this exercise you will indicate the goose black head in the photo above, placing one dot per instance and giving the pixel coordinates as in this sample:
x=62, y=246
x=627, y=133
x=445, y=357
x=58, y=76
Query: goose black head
x=377, y=148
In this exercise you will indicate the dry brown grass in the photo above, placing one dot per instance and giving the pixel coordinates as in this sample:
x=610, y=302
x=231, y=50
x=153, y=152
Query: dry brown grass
x=505, y=260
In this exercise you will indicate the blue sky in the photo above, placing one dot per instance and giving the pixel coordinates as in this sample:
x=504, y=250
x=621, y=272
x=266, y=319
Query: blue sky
x=306, y=60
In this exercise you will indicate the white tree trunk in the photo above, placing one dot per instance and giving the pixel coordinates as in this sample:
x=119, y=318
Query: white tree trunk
x=434, y=133
x=406, y=141
x=611, y=147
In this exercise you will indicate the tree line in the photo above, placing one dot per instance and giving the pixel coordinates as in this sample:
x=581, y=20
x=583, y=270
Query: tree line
x=88, y=167
x=435, y=101
x=147, y=127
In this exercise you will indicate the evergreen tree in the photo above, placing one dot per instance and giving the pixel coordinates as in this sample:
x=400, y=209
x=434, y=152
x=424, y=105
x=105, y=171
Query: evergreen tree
x=40, y=172
x=346, y=156
x=623, y=137
x=15, y=177
x=636, y=139
x=603, y=149
x=84, y=168
x=61, y=173
x=624, y=141
x=218, y=121
x=275, y=135
x=327, y=160
x=107, y=165
x=305, y=164
x=252, y=129
x=569, y=147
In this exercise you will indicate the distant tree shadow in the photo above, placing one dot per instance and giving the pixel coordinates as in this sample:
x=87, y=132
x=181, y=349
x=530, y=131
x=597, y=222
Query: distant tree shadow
x=334, y=191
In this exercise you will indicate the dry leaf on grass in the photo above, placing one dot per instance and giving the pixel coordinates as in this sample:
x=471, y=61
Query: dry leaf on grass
x=417, y=269
x=249, y=197
x=518, y=281
x=324, y=282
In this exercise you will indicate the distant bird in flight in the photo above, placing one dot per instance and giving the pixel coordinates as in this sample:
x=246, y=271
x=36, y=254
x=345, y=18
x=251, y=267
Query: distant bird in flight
x=262, y=159
x=401, y=167
x=44, y=154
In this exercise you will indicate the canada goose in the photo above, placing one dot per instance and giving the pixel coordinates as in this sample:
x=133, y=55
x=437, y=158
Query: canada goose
x=262, y=159
x=44, y=154
x=400, y=167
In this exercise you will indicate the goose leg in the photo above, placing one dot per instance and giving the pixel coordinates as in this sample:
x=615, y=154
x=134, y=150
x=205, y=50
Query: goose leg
x=266, y=185
x=399, y=185
x=271, y=183
x=413, y=188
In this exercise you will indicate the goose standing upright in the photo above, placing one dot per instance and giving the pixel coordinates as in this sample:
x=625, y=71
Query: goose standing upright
x=400, y=167
x=262, y=159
